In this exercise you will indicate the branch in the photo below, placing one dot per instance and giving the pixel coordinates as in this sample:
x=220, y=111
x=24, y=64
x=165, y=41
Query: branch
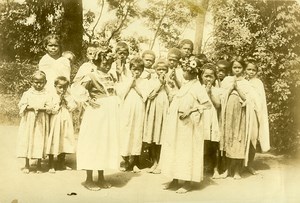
x=93, y=30
x=159, y=25
x=120, y=25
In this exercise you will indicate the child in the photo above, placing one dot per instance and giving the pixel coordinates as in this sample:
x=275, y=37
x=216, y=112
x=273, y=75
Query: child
x=64, y=64
x=175, y=71
x=186, y=46
x=87, y=67
x=223, y=69
x=34, y=127
x=61, y=137
x=120, y=69
x=263, y=133
x=210, y=118
x=134, y=95
x=182, y=147
x=52, y=44
x=98, y=141
x=148, y=57
x=238, y=118
x=156, y=112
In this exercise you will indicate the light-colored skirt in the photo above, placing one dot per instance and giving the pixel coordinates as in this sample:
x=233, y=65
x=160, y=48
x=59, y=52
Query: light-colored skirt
x=98, y=141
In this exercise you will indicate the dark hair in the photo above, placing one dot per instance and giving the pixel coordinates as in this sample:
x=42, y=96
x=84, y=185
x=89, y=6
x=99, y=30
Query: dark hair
x=175, y=51
x=186, y=41
x=161, y=61
x=226, y=66
x=209, y=66
x=122, y=45
x=150, y=52
x=103, y=51
x=39, y=73
x=52, y=36
x=61, y=78
x=238, y=59
x=137, y=61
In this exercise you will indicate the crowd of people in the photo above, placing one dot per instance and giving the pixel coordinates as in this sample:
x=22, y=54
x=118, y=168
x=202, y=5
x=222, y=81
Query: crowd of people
x=184, y=108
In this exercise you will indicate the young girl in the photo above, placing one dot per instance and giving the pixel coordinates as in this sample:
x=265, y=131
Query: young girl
x=175, y=73
x=61, y=137
x=34, y=127
x=156, y=112
x=182, y=147
x=134, y=95
x=238, y=118
x=263, y=133
x=52, y=44
x=98, y=141
x=148, y=57
x=87, y=67
x=120, y=70
x=210, y=118
x=186, y=46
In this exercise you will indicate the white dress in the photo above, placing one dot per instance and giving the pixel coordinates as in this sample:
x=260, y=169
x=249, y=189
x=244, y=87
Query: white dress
x=132, y=116
x=98, y=141
x=61, y=137
x=182, y=147
x=34, y=126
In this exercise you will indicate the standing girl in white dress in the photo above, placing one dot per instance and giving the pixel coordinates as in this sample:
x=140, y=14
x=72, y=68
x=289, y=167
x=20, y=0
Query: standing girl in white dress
x=34, y=106
x=98, y=141
x=134, y=94
x=156, y=112
x=183, y=138
x=61, y=140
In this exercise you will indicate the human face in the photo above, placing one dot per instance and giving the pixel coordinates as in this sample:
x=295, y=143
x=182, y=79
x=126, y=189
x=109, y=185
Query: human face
x=237, y=69
x=52, y=48
x=161, y=69
x=61, y=88
x=221, y=75
x=38, y=83
x=136, y=71
x=148, y=60
x=91, y=53
x=187, y=50
x=173, y=60
x=122, y=53
x=208, y=77
x=106, y=62
x=251, y=70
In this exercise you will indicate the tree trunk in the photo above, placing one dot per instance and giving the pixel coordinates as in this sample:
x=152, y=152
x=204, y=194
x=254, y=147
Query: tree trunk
x=200, y=26
x=72, y=29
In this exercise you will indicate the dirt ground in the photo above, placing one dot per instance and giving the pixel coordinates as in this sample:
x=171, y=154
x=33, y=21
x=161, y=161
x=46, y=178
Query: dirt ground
x=278, y=181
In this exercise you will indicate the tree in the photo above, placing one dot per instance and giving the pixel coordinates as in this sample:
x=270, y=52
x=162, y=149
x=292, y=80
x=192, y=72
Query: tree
x=269, y=32
x=167, y=19
x=72, y=29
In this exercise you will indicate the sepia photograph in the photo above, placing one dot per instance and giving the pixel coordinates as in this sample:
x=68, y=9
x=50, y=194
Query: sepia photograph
x=150, y=101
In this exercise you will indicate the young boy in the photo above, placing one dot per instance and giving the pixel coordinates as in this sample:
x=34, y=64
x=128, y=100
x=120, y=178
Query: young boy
x=148, y=57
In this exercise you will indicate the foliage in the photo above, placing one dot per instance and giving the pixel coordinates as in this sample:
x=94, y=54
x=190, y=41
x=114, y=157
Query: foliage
x=269, y=32
x=168, y=19
x=23, y=27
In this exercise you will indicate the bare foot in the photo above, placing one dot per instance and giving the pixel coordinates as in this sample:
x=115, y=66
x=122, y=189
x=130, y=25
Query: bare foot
x=136, y=169
x=185, y=188
x=251, y=170
x=224, y=175
x=51, y=170
x=216, y=175
x=171, y=185
x=157, y=171
x=25, y=170
x=153, y=167
x=237, y=176
x=38, y=171
x=104, y=184
x=90, y=186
